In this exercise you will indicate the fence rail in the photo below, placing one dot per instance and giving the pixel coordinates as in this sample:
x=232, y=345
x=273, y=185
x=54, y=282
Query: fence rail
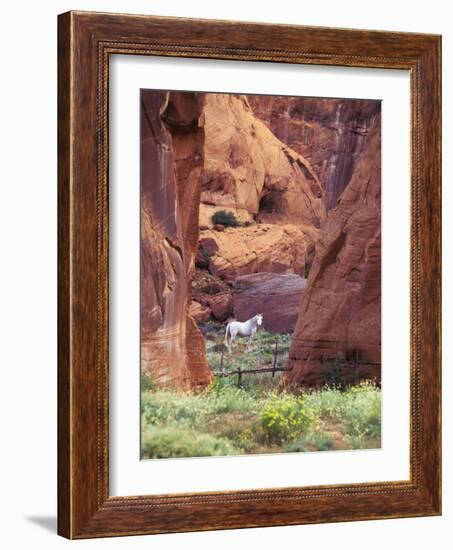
x=335, y=365
x=240, y=372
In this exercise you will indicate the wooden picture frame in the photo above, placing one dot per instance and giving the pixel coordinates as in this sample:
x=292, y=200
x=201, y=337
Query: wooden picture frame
x=85, y=42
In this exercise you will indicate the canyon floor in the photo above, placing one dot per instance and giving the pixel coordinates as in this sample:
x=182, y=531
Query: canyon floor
x=255, y=416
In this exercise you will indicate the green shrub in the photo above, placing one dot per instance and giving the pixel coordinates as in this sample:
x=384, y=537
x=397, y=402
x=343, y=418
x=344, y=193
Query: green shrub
x=220, y=384
x=167, y=406
x=224, y=397
x=255, y=418
x=358, y=409
x=362, y=412
x=328, y=403
x=223, y=217
x=285, y=417
x=316, y=440
x=177, y=442
x=244, y=439
x=146, y=382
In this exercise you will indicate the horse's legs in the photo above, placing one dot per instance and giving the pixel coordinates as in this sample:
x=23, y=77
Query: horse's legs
x=233, y=334
x=249, y=341
x=230, y=344
x=225, y=341
x=228, y=340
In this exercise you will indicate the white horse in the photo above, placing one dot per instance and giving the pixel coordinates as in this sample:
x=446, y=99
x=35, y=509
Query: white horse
x=247, y=328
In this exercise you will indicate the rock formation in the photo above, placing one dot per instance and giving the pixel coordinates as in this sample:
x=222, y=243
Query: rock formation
x=329, y=133
x=276, y=296
x=172, y=143
x=265, y=247
x=199, y=312
x=340, y=312
x=221, y=305
x=250, y=172
x=202, y=153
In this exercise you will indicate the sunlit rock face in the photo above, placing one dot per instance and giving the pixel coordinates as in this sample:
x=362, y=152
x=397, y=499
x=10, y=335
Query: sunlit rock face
x=273, y=248
x=340, y=311
x=172, y=142
x=329, y=133
x=250, y=172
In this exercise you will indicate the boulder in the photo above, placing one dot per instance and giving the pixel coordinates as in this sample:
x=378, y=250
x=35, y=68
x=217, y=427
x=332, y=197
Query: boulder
x=172, y=144
x=201, y=260
x=276, y=296
x=264, y=247
x=340, y=312
x=199, y=312
x=221, y=305
x=208, y=246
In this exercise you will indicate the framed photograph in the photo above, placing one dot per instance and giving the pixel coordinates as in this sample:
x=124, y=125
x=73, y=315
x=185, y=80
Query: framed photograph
x=249, y=275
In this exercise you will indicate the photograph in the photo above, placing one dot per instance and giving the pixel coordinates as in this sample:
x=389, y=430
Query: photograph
x=225, y=302
x=260, y=274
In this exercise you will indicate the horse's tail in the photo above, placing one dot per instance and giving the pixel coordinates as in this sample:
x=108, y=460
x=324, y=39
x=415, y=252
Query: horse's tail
x=225, y=341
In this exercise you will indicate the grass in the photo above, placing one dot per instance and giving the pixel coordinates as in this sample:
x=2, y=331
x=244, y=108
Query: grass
x=315, y=440
x=358, y=409
x=227, y=420
x=260, y=354
x=256, y=417
x=178, y=442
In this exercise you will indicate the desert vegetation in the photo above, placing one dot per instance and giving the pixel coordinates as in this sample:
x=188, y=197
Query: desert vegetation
x=265, y=348
x=225, y=419
x=255, y=415
x=225, y=218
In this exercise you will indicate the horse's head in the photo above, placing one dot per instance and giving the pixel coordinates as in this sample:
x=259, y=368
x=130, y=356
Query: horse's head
x=259, y=319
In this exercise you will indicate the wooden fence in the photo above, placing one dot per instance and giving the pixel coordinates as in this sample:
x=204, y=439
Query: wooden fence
x=339, y=369
x=239, y=372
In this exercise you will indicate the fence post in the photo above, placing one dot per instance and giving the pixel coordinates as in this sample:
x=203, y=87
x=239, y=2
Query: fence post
x=275, y=358
x=221, y=362
x=239, y=377
x=357, y=376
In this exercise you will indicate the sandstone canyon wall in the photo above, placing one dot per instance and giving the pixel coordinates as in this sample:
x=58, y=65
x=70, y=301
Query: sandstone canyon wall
x=276, y=296
x=202, y=153
x=172, y=144
x=250, y=172
x=340, y=312
x=329, y=133
x=275, y=195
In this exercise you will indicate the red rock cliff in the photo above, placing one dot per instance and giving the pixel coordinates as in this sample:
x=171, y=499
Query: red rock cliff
x=340, y=313
x=250, y=172
x=172, y=141
x=329, y=133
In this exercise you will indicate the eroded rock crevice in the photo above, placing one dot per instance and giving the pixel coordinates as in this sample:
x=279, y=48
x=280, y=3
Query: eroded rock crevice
x=340, y=311
x=329, y=133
